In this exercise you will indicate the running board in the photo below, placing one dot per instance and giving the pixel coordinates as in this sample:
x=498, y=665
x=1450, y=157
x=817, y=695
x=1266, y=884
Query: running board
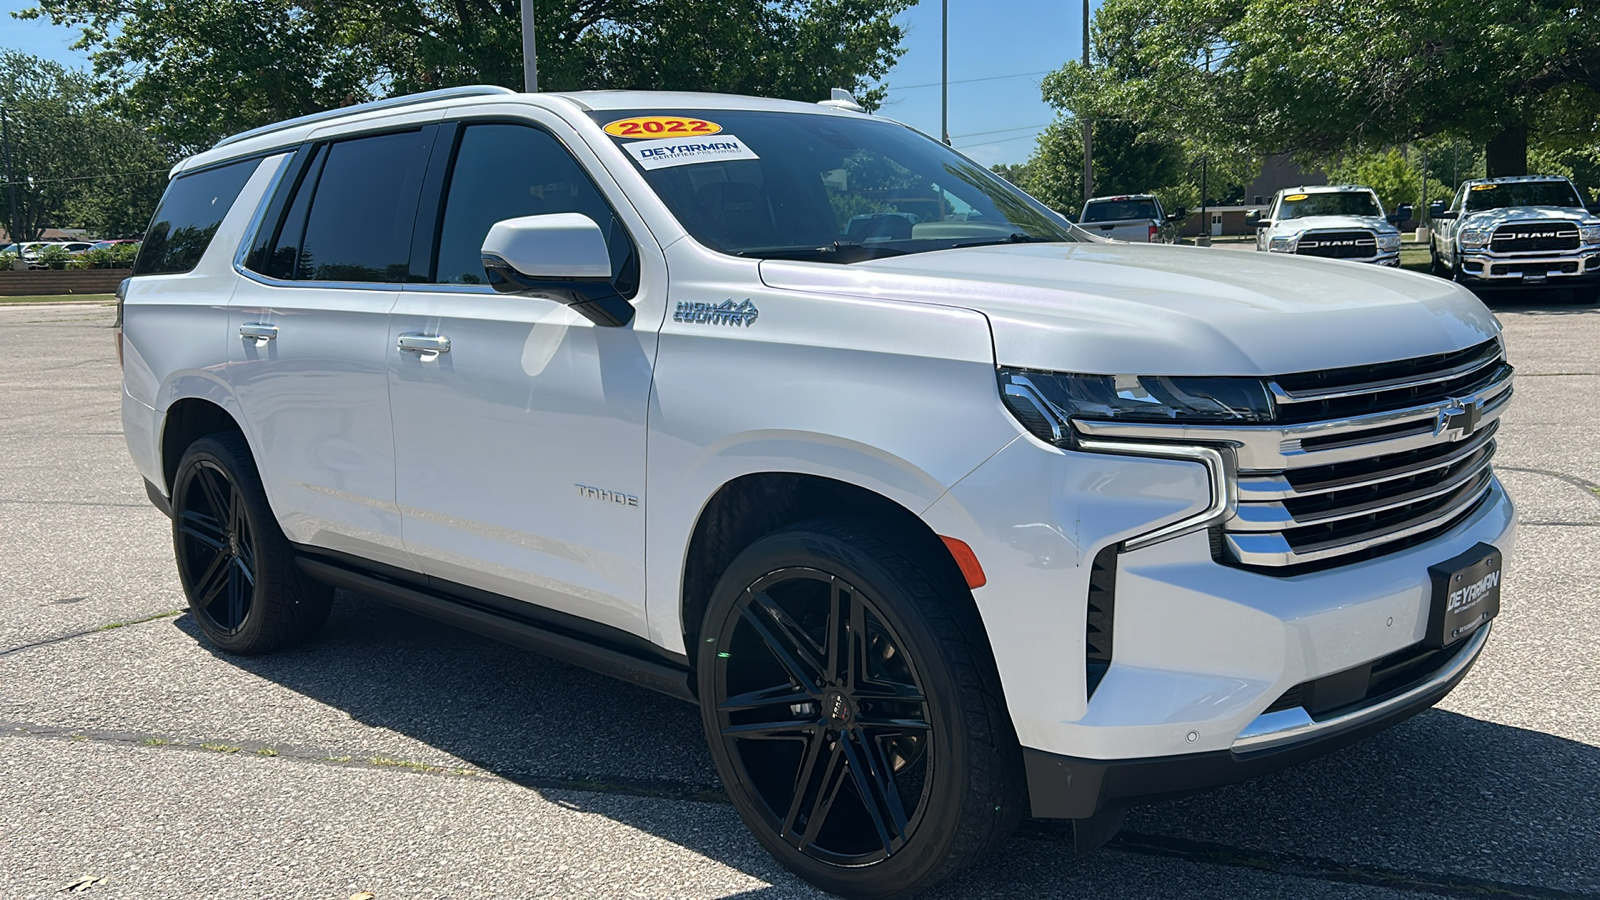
x=657, y=676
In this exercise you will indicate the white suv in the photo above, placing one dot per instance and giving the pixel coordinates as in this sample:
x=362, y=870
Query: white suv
x=942, y=512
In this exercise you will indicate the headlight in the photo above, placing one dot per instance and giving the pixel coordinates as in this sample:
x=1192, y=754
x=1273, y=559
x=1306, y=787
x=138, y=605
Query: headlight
x=1590, y=233
x=1388, y=243
x=1283, y=243
x=1474, y=238
x=1045, y=402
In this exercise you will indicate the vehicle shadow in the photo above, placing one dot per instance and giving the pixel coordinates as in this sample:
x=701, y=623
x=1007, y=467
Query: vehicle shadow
x=1442, y=799
x=1538, y=302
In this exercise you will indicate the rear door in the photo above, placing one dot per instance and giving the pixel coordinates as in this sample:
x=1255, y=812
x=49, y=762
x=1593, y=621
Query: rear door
x=309, y=332
x=520, y=437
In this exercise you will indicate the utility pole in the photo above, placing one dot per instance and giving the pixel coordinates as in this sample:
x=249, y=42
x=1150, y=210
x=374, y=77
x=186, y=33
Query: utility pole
x=1088, y=125
x=11, y=181
x=944, y=72
x=530, y=53
x=1423, y=215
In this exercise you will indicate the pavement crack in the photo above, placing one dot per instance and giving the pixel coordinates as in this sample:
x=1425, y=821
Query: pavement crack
x=108, y=626
x=1575, y=481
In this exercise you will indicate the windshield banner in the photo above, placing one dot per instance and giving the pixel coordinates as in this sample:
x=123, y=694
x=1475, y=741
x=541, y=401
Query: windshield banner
x=666, y=152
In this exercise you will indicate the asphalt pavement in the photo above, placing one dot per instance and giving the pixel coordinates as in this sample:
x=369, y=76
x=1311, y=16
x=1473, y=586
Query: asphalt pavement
x=403, y=758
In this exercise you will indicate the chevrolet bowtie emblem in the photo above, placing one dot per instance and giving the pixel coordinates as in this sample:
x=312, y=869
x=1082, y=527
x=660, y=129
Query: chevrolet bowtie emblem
x=1460, y=419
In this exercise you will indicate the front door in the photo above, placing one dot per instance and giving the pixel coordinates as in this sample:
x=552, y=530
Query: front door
x=308, y=331
x=520, y=426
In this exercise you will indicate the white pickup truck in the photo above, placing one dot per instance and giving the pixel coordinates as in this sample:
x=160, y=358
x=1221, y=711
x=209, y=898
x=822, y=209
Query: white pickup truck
x=1342, y=221
x=1530, y=231
x=942, y=513
x=1135, y=218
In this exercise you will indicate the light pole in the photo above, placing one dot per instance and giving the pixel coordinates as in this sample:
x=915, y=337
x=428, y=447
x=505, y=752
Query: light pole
x=944, y=72
x=530, y=53
x=1088, y=125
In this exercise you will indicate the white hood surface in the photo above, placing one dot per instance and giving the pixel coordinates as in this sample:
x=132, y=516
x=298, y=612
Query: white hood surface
x=1169, y=310
x=1493, y=218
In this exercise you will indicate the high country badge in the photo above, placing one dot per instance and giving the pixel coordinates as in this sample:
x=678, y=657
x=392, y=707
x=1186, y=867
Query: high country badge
x=724, y=313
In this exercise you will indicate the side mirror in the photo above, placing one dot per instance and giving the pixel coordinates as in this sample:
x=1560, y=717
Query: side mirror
x=1402, y=214
x=1178, y=215
x=1594, y=208
x=1435, y=208
x=560, y=256
x=1253, y=217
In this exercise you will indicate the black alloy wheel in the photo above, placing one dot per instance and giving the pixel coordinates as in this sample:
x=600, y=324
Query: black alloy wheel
x=216, y=549
x=853, y=709
x=236, y=567
x=824, y=717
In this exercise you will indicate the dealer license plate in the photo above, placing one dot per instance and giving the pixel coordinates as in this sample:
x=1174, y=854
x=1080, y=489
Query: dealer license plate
x=1466, y=594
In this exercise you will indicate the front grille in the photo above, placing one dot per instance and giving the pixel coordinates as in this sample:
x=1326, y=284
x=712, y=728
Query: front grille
x=1569, y=267
x=1366, y=684
x=1528, y=237
x=1384, y=455
x=1338, y=244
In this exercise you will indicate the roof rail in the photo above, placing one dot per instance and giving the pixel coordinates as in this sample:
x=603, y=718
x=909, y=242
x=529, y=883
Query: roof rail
x=475, y=90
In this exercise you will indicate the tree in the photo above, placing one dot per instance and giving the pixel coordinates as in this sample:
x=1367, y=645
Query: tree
x=1329, y=76
x=75, y=164
x=1391, y=175
x=208, y=68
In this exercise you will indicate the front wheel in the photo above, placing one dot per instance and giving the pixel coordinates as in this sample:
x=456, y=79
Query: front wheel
x=1436, y=265
x=236, y=567
x=854, y=712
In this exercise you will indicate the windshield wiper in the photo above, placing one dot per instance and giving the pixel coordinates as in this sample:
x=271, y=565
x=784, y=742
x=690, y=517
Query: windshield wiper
x=1015, y=237
x=834, y=252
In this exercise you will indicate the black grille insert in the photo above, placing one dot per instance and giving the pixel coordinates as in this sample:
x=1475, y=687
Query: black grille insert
x=1366, y=684
x=1569, y=267
x=1102, y=606
x=1338, y=245
x=1528, y=237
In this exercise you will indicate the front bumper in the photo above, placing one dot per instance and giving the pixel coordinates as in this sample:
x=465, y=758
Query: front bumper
x=1066, y=787
x=1481, y=269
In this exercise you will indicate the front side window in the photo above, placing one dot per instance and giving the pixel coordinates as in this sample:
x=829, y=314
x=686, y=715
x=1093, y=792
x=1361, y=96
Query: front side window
x=1330, y=203
x=506, y=171
x=821, y=187
x=188, y=217
x=1521, y=193
x=351, y=216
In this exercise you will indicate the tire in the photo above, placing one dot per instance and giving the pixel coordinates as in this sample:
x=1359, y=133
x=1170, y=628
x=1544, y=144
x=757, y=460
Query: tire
x=1435, y=264
x=236, y=567
x=1587, y=295
x=919, y=726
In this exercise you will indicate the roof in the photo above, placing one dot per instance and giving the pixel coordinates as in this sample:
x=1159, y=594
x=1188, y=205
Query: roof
x=607, y=100
x=1513, y=179
x=1123, y=197
x=1326, y=189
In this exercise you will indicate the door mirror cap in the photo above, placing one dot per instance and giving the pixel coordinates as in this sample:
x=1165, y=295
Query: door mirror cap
x=1435, y=208
x=1178, y=215
x=1402, y=214
x=559, y=256
x=1253, y=217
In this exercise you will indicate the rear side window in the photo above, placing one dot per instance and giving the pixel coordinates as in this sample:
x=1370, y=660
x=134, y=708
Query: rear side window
x=190, y=211
x=352, y=214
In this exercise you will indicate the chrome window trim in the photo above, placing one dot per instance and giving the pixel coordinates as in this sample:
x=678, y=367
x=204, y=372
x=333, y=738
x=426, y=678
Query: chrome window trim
x=1223, y=497
x=258, y=278
x=1291, y=726
x=242, y=252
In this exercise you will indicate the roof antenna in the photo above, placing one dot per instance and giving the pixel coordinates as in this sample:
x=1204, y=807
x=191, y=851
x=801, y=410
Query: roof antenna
x=842, y=99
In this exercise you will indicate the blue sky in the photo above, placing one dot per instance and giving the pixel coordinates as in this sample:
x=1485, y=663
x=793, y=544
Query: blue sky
x=1008, y=43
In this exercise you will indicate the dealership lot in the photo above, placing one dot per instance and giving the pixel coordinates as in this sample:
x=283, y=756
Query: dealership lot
x=401, y=757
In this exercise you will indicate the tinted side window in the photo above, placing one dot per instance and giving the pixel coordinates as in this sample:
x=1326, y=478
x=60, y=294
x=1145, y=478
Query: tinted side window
x=507, y=171
x=362, y=207
x=187, y=218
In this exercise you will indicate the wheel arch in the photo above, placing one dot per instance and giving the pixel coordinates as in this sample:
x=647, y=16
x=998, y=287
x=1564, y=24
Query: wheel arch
x=186, y=421
x=753, y=505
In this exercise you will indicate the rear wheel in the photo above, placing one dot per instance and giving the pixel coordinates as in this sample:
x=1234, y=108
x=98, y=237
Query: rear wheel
x=236, y=567
x=854, y=712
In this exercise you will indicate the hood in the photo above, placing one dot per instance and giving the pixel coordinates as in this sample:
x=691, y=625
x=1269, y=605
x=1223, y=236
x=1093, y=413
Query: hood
x=1169, y=310
x=1493, y=218
x=1337, y=223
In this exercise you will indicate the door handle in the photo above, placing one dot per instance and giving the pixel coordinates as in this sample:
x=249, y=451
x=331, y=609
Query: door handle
x=258, y=332
x=425, y=343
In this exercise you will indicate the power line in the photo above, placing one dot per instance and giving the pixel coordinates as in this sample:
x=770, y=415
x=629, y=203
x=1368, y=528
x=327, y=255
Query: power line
x=908, y=87
x=1001, y=130
x=1020, y=137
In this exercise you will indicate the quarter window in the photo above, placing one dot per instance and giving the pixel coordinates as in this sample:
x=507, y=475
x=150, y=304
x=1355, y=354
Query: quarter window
x=187, y=218
x=505, y=171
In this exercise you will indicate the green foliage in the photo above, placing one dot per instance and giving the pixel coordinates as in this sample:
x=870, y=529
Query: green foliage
x=1333, y=76
x=76, y=163
x=54, y=255
x=1054, y=174
x=1395, y=178
x=208, y=68
x=116, y=256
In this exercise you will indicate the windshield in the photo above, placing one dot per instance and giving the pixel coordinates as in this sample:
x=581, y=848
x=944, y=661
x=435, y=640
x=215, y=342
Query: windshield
x=821, y=187
x=1331, y=203
x=1116, y=210
x=1521, y=193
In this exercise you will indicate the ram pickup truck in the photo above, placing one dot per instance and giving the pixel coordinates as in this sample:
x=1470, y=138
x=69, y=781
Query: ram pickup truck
x=943, y=513
x=1344, y=221
x=1529, y=231
x=1135, y=218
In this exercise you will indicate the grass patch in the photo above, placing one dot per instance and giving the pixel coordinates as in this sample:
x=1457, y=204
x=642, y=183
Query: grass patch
x=266, y=751
x=60, y=298
x=155, y=742
x=222, y=748
x=402, y=764
x=1415, y=258
x=150, y=618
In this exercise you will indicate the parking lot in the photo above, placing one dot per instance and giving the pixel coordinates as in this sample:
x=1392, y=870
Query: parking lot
x=401, y=757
